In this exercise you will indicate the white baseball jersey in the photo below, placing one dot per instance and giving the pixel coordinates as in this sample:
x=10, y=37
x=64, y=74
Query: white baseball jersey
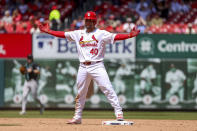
x=44, y=74
x=90, y=46
x=175, y=78
x=148, y=74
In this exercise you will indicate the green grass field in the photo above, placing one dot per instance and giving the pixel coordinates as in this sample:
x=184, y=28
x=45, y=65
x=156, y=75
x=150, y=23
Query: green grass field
x=102, y=115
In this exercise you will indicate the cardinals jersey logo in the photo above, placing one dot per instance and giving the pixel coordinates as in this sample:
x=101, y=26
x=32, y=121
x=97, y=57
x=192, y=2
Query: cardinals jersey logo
x=94, y=38
x=81, y=40
x=92, y=42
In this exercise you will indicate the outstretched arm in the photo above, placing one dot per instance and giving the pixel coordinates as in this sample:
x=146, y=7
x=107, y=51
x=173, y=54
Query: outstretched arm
x=134, y=32
x=45, y=28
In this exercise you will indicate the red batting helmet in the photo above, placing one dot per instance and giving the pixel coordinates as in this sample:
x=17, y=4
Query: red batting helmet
x=90, y=15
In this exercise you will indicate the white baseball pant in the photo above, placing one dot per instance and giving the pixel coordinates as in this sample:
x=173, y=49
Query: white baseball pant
x=32, y=86
x=97, y=72
x=176, y=89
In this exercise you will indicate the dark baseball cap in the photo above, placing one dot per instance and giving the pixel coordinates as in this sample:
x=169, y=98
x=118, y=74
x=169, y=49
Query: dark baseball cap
x=30, y=56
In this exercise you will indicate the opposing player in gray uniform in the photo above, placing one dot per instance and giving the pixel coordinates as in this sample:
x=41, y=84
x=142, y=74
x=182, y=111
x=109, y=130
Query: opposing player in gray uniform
x=31, y=83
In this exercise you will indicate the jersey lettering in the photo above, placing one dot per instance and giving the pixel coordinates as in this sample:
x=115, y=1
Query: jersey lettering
x=90, y=45
x=94, y=51
x=92, y=42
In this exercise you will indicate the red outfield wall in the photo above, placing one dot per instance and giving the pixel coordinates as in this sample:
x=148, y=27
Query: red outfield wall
x=15, y=45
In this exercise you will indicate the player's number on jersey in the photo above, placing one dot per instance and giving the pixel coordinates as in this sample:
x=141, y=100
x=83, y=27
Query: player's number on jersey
x=94, y=51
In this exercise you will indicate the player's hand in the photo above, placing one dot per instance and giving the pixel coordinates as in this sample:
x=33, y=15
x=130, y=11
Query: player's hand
x=36, y=71
x=29, y=70
x=44, y=27
x=134, y=32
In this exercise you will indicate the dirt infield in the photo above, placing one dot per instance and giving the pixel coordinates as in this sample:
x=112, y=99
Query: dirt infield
x=43, y=124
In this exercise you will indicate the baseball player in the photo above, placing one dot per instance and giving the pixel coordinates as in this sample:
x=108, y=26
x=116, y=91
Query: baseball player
x=17, y=79
x=175, y=78
x=44, y=75
x=120, y=87
x=90, y=44
x=147, y=76
x=31, y=84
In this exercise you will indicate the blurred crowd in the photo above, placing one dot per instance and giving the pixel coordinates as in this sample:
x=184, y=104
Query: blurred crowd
x=22, y=16
x=150, y=16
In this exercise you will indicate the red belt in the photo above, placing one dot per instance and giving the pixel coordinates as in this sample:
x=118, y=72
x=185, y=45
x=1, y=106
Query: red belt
x=89, y=63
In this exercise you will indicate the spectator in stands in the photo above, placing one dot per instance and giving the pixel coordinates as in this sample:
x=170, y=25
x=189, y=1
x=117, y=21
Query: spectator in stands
x=32, y=20
x=80, y=23
x=156, y=21
x=100, y=22
x=73, y=25
x=14, y=28
x=128, y=25
x=190, y=29
x=119, y=26
x=2, y=29
x=112, y=23
x=175, y=6
x=7, y=18
x=141, y=4
x=54, y=18
x=132, y=4
x=23, y=7
x=152, y=8
x=111, y=19
x=38, y=4
x=24, y=29
x=34, y=29
x=184, y=6
x=143, y=10
x=162, y=7
x=141, y=25
x=109, y=27
x=16, y=16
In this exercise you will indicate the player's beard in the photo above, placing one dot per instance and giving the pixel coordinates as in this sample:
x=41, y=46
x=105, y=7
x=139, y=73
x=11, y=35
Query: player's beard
x=90, y=27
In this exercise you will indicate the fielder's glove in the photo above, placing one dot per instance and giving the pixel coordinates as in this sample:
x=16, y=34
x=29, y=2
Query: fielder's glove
x=22, y=70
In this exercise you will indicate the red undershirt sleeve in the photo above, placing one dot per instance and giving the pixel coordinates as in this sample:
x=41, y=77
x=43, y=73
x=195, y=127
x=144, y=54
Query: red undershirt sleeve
x=57, y=33
x=122, y=36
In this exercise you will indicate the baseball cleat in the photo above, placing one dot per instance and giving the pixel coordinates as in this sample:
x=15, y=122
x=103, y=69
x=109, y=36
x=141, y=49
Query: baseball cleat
x=74, y=121
x=120, y=117
x=22, y=113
